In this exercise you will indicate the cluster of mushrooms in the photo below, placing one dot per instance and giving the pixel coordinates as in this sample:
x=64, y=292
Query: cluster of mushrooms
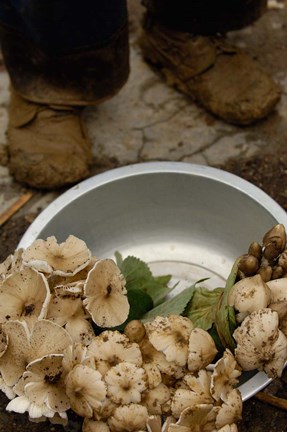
x=160, y=375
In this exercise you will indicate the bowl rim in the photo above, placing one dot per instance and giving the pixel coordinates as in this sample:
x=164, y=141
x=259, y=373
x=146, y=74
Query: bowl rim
x=144, y=168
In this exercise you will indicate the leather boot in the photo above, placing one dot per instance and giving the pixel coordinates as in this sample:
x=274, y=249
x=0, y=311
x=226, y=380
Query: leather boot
x=47, y=146
x=218, y=76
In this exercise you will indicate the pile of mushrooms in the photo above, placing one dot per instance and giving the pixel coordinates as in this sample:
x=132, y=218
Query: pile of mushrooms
x=160, y=375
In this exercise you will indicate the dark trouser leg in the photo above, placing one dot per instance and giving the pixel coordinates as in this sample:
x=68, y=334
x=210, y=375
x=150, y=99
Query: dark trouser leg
x=181, y=38
x=206, y=16
x=66, y=51
x=60, y=54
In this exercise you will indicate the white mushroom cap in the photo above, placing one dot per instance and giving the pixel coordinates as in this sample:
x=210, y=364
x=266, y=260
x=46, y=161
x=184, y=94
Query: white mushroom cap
x=64, y=259
x=278, y=288
x=24, y=295
x=170, y=335
x=110, y=348
x=224, y=376
x=201, y=350
x=197, y=418
x=105, y=293
x=90, y=425
x=157, y=400
x=128, y=418
x=26, y=345
x=125, y=383
x=85, y=389
x=12, y=264
x=231, y=410
x=44, y=383
x=250, y=294
x=197, y=392
x=260, y=342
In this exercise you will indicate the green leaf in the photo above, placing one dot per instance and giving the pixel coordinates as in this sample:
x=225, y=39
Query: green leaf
x=175, y=305
x=202, y=308
x=225, y=315
x=139, y=277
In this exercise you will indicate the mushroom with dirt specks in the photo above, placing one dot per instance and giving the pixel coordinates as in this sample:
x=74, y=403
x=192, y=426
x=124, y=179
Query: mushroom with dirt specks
x=26, y=345
x=105, y=294
x=249, y=294
x=170, y=335
x=24, y=295
x=63, y=259
x=85, y=389
x=201, y=350
x=196, y=418
x=260, y=343
x=231, y=410
x=128, y=418
x=110, y=348
x=125, y=383
x=91, y=425
x=224, y=376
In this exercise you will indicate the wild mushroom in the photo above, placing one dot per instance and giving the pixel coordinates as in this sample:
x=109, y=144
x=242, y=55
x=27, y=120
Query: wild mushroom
x=201, y=350
x=125, y=383
x=157, y=400
x=231, y=410
x=51, y=257
x=12, y=264
x=68, y=311
x=197, y=418
x=156, y=364
x=26, y=345
x=128, y=418
x=110, y=348
x=24, y=295
x=85, y=389
x=154, y=423
x=260, y=343
x=278, y=288
x=249, y=294
x=170, y=335
x=91, y=425
x=105, y=294
x=44, y=383
x=197, y=391
x=224, y=376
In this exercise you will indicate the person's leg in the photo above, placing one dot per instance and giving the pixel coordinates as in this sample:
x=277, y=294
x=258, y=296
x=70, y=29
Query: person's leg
x=60, y=55
x=184, y=39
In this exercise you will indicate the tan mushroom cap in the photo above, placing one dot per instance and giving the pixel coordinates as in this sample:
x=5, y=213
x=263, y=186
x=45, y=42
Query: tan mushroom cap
x=85, y=389
x=197, y=418
x=90, y=425
x=26, y=345
x=63, y=259
x=250, y=294
x=24, y=295
x=44, y=383
x=130, y=418
x=224, y=376
x=260, y=343
x=170, y=335
x=201, y=350
x=105, y=293
x=231, y=410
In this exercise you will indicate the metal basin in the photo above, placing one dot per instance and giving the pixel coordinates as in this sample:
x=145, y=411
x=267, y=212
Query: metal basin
x=187, y=220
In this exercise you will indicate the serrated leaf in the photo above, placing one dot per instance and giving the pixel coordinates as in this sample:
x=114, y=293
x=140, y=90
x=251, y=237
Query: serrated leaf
x=175, y=305
x=139, y=277
x=201, y=310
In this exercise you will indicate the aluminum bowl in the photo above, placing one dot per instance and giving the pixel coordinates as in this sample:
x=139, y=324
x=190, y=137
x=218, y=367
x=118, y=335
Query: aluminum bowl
x=187, y=220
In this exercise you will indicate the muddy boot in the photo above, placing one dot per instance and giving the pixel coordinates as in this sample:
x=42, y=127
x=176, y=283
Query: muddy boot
x=47, y=147
x=221, y=78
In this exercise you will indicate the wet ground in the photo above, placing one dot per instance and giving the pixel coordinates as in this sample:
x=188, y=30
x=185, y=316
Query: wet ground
x=150, y=121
